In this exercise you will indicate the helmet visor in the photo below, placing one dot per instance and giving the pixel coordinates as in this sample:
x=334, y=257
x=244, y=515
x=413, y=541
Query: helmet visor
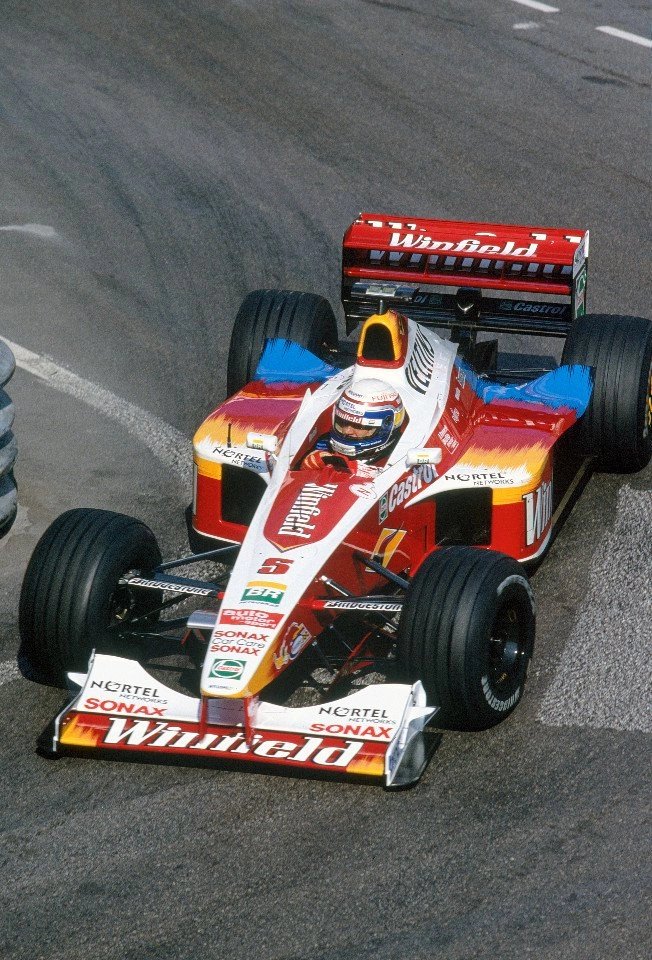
x=357, y=431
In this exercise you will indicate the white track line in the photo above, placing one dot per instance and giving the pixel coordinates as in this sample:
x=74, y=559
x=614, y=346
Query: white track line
x=535, y=5
x=167, y=444
x=35, y=229
x=624, y=35
x=9, y=671
x=604, y=679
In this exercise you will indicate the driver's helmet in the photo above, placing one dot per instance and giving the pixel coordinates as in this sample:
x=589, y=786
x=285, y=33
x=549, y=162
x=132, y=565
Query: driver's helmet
x=367, y=420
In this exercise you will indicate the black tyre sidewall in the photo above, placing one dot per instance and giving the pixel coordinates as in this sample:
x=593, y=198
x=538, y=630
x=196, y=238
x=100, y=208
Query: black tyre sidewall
x=426, y=621
x=35, y=589
x=644, y=412
x=619, y=351
x=68, y=586
x=445, y=628
x=304, y=318
x=135, y=549
x=469, y=652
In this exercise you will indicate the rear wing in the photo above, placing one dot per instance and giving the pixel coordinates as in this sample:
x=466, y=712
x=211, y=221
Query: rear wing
x=521, y=279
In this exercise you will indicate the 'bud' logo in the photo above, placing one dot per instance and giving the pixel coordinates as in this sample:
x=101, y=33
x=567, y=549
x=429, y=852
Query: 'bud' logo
x=227, y=669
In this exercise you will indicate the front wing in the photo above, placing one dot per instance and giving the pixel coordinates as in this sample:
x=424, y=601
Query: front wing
x=376, y=732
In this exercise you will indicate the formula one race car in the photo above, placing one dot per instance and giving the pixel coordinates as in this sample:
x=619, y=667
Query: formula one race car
x=376, y=503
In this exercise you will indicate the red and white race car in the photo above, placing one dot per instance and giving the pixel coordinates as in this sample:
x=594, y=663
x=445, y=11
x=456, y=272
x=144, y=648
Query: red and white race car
x=383, y=530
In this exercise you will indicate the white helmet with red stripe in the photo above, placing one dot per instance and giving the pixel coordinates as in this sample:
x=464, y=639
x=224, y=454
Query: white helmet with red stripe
x=367, y=420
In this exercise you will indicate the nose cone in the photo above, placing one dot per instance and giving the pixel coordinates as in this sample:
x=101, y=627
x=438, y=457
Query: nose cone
x=239, y=661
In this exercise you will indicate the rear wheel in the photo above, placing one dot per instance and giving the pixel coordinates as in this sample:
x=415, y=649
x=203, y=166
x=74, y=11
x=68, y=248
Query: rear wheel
x=305, y=318
x=71, y=600
x=617, y=426
x=467, y=632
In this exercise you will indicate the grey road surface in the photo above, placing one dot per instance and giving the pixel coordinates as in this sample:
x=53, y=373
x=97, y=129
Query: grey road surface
x=158, y=161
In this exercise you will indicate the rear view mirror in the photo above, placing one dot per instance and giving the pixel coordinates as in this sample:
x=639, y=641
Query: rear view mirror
x=423, y=455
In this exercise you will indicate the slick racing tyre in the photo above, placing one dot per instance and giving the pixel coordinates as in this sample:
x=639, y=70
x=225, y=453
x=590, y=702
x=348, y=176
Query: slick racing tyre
x=467, y=632
x=305, y=318
x=617, y=426
x=71, y=596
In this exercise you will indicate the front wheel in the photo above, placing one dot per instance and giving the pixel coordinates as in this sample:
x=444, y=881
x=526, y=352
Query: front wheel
x=71, y=599
x=467, y=632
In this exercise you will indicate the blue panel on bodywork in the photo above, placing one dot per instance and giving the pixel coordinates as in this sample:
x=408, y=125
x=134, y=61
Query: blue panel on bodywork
x=567, y=386
x=286, y=361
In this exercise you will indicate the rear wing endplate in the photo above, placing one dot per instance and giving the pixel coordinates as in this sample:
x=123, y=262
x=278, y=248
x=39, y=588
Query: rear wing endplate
x=528, y=279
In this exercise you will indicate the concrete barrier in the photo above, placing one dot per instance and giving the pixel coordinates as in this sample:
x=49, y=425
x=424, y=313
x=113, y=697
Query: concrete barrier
x=8, y=492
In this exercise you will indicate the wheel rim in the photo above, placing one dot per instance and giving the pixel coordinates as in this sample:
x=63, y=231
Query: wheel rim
x=121, y=606
x=508, y=653
x=126, y=605
x=647, y=416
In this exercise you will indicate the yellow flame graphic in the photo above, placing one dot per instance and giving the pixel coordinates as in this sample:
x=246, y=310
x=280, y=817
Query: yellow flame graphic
x=373, y=766
x=79, y=734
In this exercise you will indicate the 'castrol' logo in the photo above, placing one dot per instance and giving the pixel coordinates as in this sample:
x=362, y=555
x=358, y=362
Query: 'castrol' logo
x=419, y=477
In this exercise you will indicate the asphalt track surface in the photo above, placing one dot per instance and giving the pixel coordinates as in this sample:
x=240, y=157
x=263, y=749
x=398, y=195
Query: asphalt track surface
x=174, y=156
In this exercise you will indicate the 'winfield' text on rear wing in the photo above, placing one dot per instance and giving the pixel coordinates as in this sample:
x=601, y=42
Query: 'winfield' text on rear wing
x=525, y=279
